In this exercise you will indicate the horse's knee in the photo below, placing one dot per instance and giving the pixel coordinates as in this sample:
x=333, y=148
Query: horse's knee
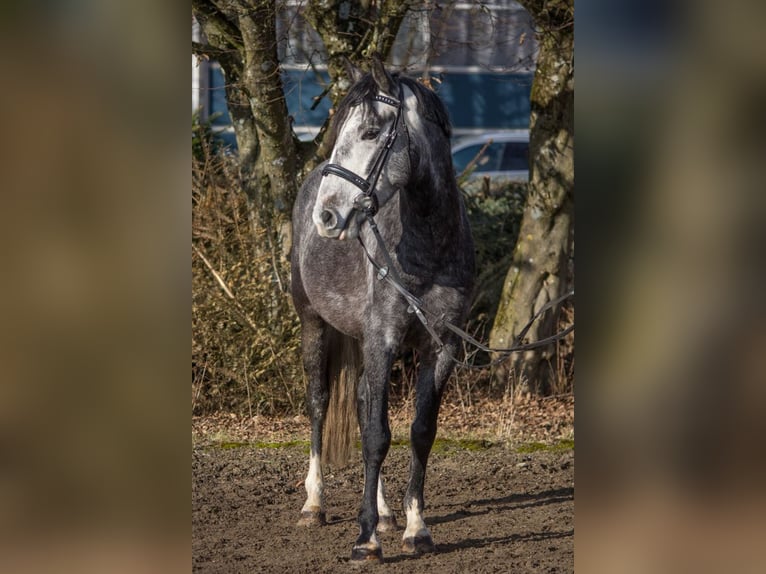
x=422, y=433
x=419, y=428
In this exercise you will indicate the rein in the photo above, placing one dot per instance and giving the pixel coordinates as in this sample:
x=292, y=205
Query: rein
x=388, y=272
x=367, y=203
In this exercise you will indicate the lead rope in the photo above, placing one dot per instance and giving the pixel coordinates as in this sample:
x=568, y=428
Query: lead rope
x=389, y=273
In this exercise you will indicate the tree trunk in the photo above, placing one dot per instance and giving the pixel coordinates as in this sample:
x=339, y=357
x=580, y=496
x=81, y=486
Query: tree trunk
x=225, y=45
x=261, y=79
x=539, y=270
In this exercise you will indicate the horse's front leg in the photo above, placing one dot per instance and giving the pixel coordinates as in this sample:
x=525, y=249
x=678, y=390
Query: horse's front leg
x=314, y=362
x=372, y=405
x=433, y=373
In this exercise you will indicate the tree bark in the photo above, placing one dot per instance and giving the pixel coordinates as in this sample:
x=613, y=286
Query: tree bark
x=262, y=81
x=539, y=271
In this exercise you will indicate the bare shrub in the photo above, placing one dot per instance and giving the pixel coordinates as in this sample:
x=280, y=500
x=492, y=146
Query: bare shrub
x=245, y=333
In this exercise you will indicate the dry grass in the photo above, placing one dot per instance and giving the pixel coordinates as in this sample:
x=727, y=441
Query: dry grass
x=245, y=333
x=511, y=420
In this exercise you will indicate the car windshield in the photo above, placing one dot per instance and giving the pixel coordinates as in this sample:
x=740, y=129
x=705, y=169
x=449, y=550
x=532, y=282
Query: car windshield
x=516, y=156
x=489, y=160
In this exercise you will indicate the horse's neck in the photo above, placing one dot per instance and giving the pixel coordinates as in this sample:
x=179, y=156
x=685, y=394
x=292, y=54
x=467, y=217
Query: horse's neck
x=432, y=220
x=432, y=195
x=432, y=192
x=424, y=205
x=430, y=210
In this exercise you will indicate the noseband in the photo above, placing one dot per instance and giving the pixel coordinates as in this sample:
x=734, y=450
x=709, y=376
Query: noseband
x=367, y=201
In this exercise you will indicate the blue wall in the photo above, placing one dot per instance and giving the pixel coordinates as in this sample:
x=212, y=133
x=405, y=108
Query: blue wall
x=486, y=101
x=474, y=101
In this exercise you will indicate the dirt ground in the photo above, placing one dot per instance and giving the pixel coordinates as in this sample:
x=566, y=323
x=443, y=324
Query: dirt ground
x=491, y=507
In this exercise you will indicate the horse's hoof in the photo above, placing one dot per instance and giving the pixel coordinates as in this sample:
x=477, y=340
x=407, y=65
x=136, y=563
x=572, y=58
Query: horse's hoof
x=312, y=518
x=418, y=545
x=367, y=555
x=387, y=523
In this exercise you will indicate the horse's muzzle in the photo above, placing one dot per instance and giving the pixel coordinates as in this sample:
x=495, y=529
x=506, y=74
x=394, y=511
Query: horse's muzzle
x=331, y=224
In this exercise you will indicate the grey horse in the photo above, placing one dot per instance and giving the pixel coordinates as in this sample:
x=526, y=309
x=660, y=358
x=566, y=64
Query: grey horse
x=390, y=167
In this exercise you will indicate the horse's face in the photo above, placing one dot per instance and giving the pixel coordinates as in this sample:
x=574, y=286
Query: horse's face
x=359, y=143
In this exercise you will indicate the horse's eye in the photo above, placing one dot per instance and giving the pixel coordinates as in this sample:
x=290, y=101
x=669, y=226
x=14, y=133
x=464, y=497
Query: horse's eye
x=370, y=133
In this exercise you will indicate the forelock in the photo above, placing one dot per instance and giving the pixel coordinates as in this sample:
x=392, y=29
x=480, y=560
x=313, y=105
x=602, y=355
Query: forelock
x=364, y=90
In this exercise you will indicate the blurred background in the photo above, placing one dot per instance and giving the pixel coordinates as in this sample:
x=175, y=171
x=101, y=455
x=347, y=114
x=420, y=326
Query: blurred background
x=95, y=300
x=671, y=222
x=95, y=287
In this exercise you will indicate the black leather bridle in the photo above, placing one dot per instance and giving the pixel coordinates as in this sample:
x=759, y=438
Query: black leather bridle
x=367, y=201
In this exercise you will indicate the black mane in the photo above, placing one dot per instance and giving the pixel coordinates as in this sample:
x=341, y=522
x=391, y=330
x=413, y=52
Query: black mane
x=429, y=104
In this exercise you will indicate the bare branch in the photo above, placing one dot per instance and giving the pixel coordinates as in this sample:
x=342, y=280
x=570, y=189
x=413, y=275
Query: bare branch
x=207, y=51
x=215, y=274
x=219, y=30
x=238, y=306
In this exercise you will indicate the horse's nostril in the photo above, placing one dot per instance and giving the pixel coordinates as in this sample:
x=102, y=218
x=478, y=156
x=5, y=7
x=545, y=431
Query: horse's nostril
x=328, y=218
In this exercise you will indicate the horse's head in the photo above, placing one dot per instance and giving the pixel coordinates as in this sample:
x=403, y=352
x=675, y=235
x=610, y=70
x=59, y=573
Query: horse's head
x=370, y=158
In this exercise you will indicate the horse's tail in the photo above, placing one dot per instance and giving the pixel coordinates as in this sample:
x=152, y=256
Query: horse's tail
x=344, y=367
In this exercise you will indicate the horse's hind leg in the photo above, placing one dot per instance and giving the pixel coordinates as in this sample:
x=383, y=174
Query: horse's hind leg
x=386, y=517
x=432, y=376
x=314, y=362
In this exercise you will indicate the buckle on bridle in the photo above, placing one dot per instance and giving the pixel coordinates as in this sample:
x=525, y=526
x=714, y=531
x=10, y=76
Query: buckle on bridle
x=366, y=203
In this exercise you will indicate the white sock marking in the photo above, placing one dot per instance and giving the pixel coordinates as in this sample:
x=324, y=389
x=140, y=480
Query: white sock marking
x=314, y=485
x=383, y=509
x=416, y=526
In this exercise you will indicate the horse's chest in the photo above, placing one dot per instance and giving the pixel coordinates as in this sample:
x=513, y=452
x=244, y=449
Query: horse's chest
x=337, y=288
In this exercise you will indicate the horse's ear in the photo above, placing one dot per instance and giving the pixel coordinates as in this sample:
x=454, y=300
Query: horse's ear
x=351, y=70
x=382, y=78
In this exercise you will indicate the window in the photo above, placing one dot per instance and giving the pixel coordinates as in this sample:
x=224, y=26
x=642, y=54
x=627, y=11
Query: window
x=516, y=156
x=488, y=161
x=217, y=92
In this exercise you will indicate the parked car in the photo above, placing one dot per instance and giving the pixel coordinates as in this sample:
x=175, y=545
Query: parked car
x=506, y=155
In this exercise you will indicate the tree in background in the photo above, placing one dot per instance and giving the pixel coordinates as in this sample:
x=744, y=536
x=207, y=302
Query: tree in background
x=539, y=271
x=242, y=36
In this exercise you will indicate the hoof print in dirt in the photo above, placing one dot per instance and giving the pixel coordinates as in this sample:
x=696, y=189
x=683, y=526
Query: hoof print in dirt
x=362, y=555
x=387, y=524
x=418, y=545
x=312, y=518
